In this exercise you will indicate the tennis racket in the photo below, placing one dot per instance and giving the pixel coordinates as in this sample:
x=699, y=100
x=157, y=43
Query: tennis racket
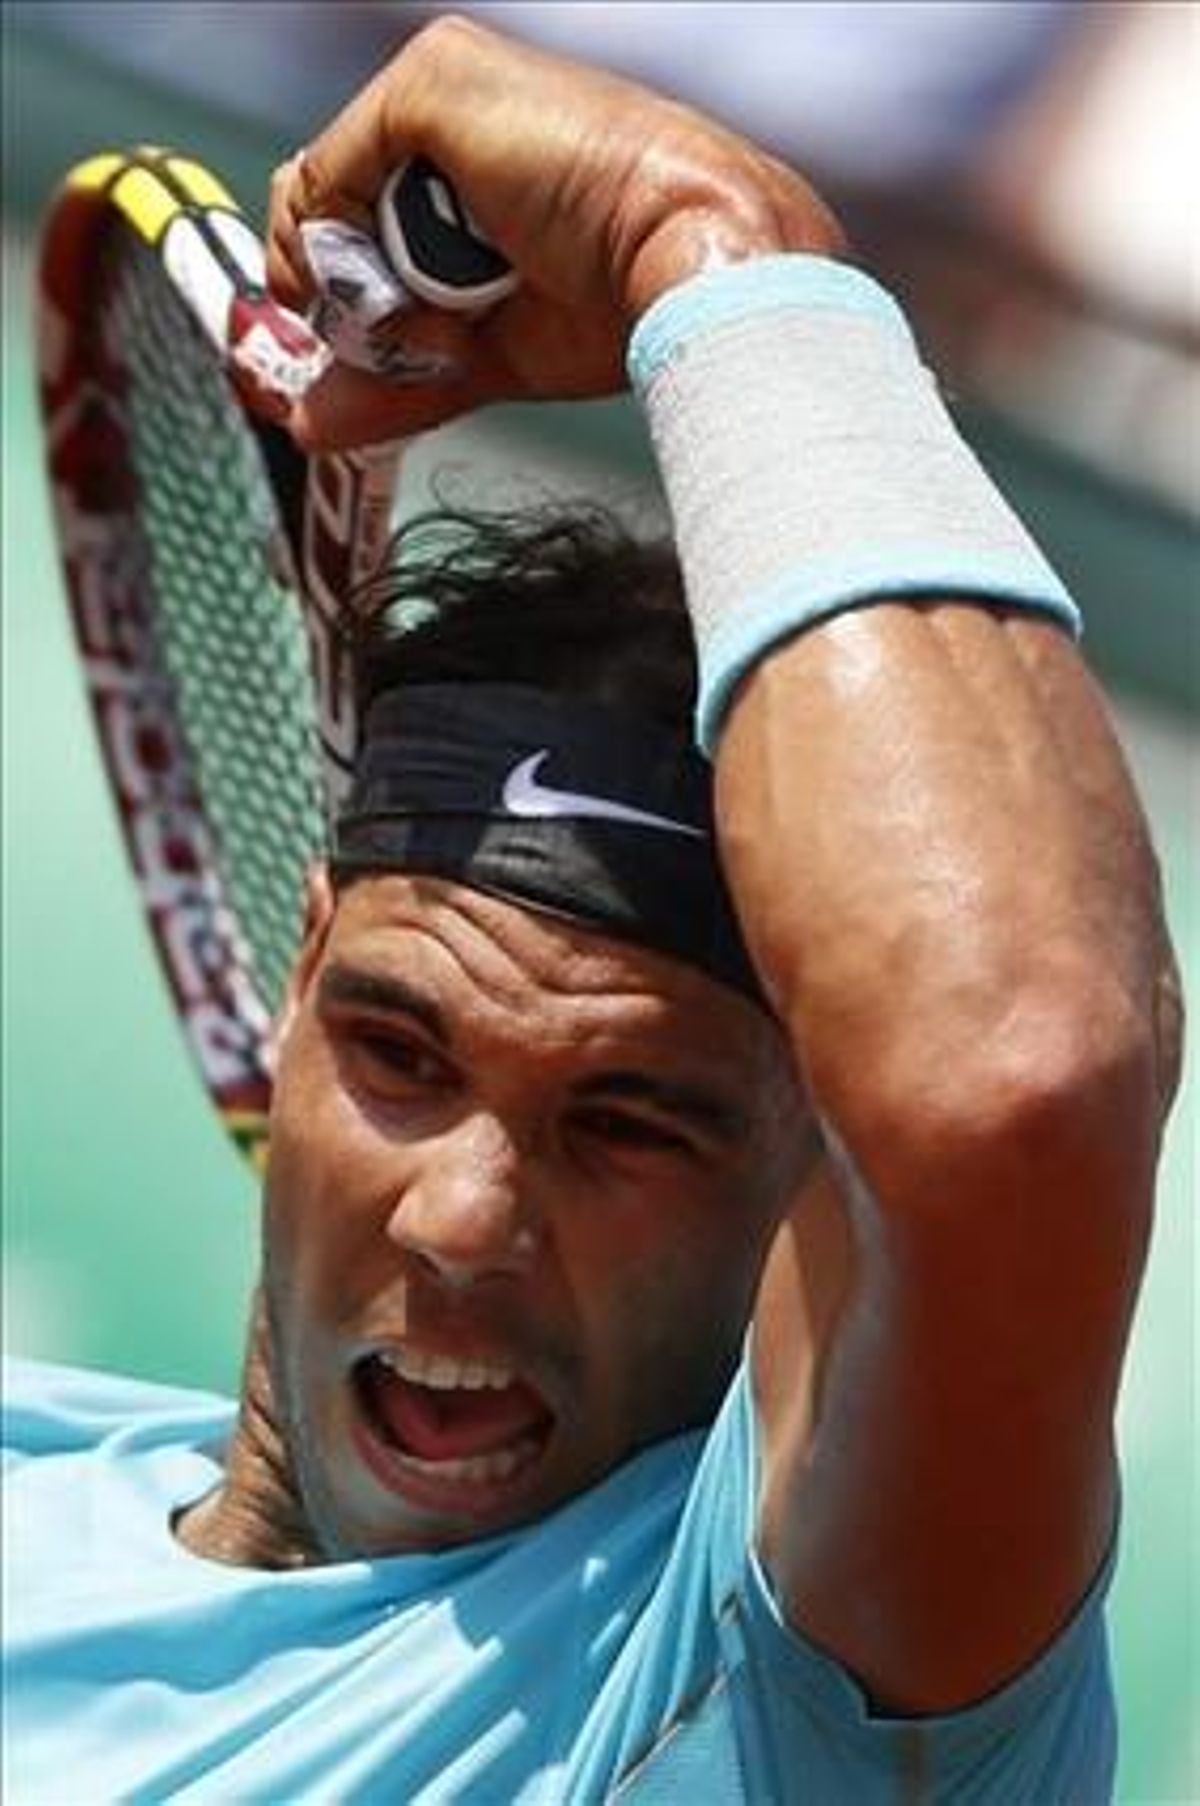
x=211, y=568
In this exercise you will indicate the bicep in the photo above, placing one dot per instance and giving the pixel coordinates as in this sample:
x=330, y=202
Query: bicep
x=937, y=1485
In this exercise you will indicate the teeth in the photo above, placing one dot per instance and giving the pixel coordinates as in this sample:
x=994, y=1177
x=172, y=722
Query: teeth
x=444, y=1374
x=477, y=1469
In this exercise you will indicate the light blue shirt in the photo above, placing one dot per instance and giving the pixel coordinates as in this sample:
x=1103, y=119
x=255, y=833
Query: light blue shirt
x=625, y=1647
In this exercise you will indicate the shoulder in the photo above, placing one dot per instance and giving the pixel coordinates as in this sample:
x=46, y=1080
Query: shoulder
x=53, y=1409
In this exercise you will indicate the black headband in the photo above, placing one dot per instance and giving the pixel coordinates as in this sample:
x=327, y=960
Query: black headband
x=550, y=800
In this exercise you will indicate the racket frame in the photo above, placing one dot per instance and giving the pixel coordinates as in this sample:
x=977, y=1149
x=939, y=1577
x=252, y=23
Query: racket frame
x=335, y=518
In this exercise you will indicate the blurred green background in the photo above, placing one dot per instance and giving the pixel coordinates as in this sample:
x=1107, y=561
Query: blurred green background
x=129, y=1224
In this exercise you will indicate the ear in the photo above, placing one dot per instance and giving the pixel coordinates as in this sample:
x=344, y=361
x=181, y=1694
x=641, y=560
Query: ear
x=319, y=906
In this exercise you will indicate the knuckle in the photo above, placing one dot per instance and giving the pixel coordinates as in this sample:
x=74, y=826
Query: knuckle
x=447, y=29
x=441, y=40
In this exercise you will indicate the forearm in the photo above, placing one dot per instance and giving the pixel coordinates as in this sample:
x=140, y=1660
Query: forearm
x=944, y=876
x=939, y=861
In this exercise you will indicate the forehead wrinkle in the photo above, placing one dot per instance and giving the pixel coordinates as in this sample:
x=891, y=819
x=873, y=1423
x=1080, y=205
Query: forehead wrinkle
x=518, y=960
x=556, y=957
x=558, y=953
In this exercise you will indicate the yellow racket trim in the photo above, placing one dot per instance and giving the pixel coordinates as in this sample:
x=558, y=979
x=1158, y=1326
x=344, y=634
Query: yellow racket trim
x=151, y=187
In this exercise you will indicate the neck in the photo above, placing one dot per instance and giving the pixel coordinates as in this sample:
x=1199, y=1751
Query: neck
x=254, y=1519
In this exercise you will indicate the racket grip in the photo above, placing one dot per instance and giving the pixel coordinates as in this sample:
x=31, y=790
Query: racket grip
x=435, y=246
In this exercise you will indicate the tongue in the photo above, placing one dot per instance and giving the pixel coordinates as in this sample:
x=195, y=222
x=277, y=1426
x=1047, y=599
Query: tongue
x=439, y=1425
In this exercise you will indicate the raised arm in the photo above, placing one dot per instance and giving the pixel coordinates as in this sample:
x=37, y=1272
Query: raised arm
x=942, y=873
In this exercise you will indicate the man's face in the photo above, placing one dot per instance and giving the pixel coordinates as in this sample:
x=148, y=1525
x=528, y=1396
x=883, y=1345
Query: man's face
x=522, y=1180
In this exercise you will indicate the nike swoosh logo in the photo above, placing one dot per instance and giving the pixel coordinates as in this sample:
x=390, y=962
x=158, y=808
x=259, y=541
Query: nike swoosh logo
x=523, y=795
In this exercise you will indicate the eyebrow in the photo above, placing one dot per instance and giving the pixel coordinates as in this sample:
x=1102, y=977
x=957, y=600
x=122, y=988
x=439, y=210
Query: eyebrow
x=355, y=987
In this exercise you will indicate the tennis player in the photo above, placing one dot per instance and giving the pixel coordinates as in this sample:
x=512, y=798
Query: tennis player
x=710, y=1172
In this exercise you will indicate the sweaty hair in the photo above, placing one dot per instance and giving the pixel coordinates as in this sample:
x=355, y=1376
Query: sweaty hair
x=565, y=598
x=494, y=642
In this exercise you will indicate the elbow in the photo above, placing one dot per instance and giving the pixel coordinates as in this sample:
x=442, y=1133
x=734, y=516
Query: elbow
x=1056, y=1087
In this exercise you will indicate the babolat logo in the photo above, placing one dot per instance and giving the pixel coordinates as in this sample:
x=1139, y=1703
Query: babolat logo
x=170, y=845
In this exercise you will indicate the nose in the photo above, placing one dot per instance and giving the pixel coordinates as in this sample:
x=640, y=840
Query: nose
x=465, y=1212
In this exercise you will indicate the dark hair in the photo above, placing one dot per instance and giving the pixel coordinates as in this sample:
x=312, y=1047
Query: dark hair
x=564, y=597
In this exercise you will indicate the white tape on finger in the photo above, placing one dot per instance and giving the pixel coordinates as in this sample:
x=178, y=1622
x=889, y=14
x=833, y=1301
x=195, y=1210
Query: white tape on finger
x=361, y=305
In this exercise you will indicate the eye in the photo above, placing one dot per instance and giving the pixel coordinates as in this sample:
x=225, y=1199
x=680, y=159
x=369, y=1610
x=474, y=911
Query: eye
x=624, y=1129
x=397, y=1056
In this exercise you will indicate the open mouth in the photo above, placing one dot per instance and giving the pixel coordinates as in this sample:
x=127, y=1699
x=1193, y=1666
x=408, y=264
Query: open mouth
x=472, y=1429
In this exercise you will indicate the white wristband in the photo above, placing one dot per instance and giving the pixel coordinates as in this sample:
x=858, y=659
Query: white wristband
x=811, y=466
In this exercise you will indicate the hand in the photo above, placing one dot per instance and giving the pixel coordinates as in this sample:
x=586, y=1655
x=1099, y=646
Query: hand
x=600, y=193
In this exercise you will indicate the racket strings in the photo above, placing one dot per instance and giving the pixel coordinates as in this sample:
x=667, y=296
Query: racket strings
x=230, y=637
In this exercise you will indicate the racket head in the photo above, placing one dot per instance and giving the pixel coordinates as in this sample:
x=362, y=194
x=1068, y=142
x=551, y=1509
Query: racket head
x=180, y=516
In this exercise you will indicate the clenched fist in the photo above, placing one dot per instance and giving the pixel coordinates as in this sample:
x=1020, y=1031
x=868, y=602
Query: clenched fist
x=600, y=193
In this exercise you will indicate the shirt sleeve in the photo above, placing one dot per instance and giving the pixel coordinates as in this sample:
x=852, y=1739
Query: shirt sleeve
x=808, y=1730
x=1048, y=1735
